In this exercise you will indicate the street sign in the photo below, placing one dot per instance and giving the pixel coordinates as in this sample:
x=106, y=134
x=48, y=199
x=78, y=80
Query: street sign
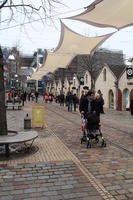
x=129, y=71
x=38, y=120
x=81, y=81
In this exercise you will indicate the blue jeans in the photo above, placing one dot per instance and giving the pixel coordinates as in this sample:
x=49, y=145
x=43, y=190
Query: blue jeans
x=70, y=107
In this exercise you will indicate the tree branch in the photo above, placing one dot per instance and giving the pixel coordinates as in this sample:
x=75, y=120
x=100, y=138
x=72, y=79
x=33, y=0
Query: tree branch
x=2, y=5
x=22, y=5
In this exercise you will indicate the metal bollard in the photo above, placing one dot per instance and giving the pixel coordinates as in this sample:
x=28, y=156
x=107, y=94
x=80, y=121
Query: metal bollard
x=27, y=122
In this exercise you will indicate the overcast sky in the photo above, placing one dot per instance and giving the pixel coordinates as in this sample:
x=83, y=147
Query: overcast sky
x=46, y=35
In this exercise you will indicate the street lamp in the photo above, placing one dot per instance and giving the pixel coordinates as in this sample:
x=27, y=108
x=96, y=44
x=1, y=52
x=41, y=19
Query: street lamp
x=74, y=78
x=117, y=88
x=13, y=73
x=70, y=83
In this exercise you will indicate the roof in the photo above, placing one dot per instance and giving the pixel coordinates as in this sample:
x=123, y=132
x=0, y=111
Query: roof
x=26, y=60
x=117, y=69
x=80, y=63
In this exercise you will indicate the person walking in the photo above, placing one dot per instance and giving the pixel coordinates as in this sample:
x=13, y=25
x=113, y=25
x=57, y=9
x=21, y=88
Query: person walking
x=62, y=99
x=50, y=98
x=75, y=100
x=70, y=101
x=131, y=106
x=97, y=105
x=46, y=98
x=36, y=96
x=87, y=103
x=82, y=99
x=29, y=95
x=102, y=103
x=9, y=95
x=23, y=98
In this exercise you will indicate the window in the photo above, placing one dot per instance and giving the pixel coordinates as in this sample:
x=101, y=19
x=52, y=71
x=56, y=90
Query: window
x=74, y=81
x=86, y=78
x=104, y=75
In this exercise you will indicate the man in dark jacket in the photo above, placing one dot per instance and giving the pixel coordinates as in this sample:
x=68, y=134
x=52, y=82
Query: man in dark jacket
x=87, y=103
x=36, y=95
x=70, y=101
x=62, y=98
x=97, y=106
x=81, y=104
x=75, y=100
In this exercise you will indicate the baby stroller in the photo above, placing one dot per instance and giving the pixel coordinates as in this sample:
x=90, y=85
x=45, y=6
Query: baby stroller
x=93, y=133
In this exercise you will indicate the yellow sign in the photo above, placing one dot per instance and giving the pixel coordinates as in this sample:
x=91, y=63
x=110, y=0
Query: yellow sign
x=38, y=117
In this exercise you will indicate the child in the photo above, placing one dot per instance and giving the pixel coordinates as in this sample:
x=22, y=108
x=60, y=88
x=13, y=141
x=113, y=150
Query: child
x=83, y=125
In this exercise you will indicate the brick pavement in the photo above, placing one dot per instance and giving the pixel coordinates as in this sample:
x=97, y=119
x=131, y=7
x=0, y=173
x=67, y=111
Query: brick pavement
x=116, y=125
x=52, y=173
x=112, y=166
x=107, y=171
x=47, y=181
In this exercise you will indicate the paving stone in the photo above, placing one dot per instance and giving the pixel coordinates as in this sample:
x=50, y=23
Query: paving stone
x=66, y=186
x=130, y=190
x=128, y=186
x=122, y=191
x=30, y=190
x=121, y=197
x=50, y=193
x=15, y=192
x=111, y=166
x=57, y=197
x=130, y=196
x=43, y=177
x=7, y=188
x=42, y=189
x=6, y=198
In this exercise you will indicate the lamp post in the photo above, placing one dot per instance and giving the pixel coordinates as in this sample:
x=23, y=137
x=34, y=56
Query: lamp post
x=70, y=83
x=74, y=83
x=13, y=73
x=74, y=78
x=117, y=87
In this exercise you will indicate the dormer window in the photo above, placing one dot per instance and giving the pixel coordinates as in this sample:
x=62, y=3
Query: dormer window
x=104, y=75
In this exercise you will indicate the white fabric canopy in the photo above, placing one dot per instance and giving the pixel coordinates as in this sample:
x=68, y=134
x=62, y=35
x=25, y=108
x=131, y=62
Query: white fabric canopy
x=53, y=61
x=116, y=13
x=73, y=43
x=70, y=45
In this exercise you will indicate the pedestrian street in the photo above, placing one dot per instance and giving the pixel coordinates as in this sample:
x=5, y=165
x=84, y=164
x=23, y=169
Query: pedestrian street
x=61, y=167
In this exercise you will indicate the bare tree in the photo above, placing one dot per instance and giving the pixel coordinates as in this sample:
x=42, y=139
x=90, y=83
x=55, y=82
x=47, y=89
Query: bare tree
x=92, y=64
x=29, y=10
x=95, y=62
x=3, y=122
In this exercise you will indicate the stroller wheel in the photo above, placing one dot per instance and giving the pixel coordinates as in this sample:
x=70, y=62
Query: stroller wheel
x=103, y=143
x=97, y=140
x=88, y=144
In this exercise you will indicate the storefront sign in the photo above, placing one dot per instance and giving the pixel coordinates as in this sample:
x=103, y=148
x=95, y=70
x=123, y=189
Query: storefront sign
x=129, y=71
x=38, y=120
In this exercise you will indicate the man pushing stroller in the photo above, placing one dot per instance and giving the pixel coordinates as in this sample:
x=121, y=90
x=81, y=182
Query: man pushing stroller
x=90, y=112
x=90, y=103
